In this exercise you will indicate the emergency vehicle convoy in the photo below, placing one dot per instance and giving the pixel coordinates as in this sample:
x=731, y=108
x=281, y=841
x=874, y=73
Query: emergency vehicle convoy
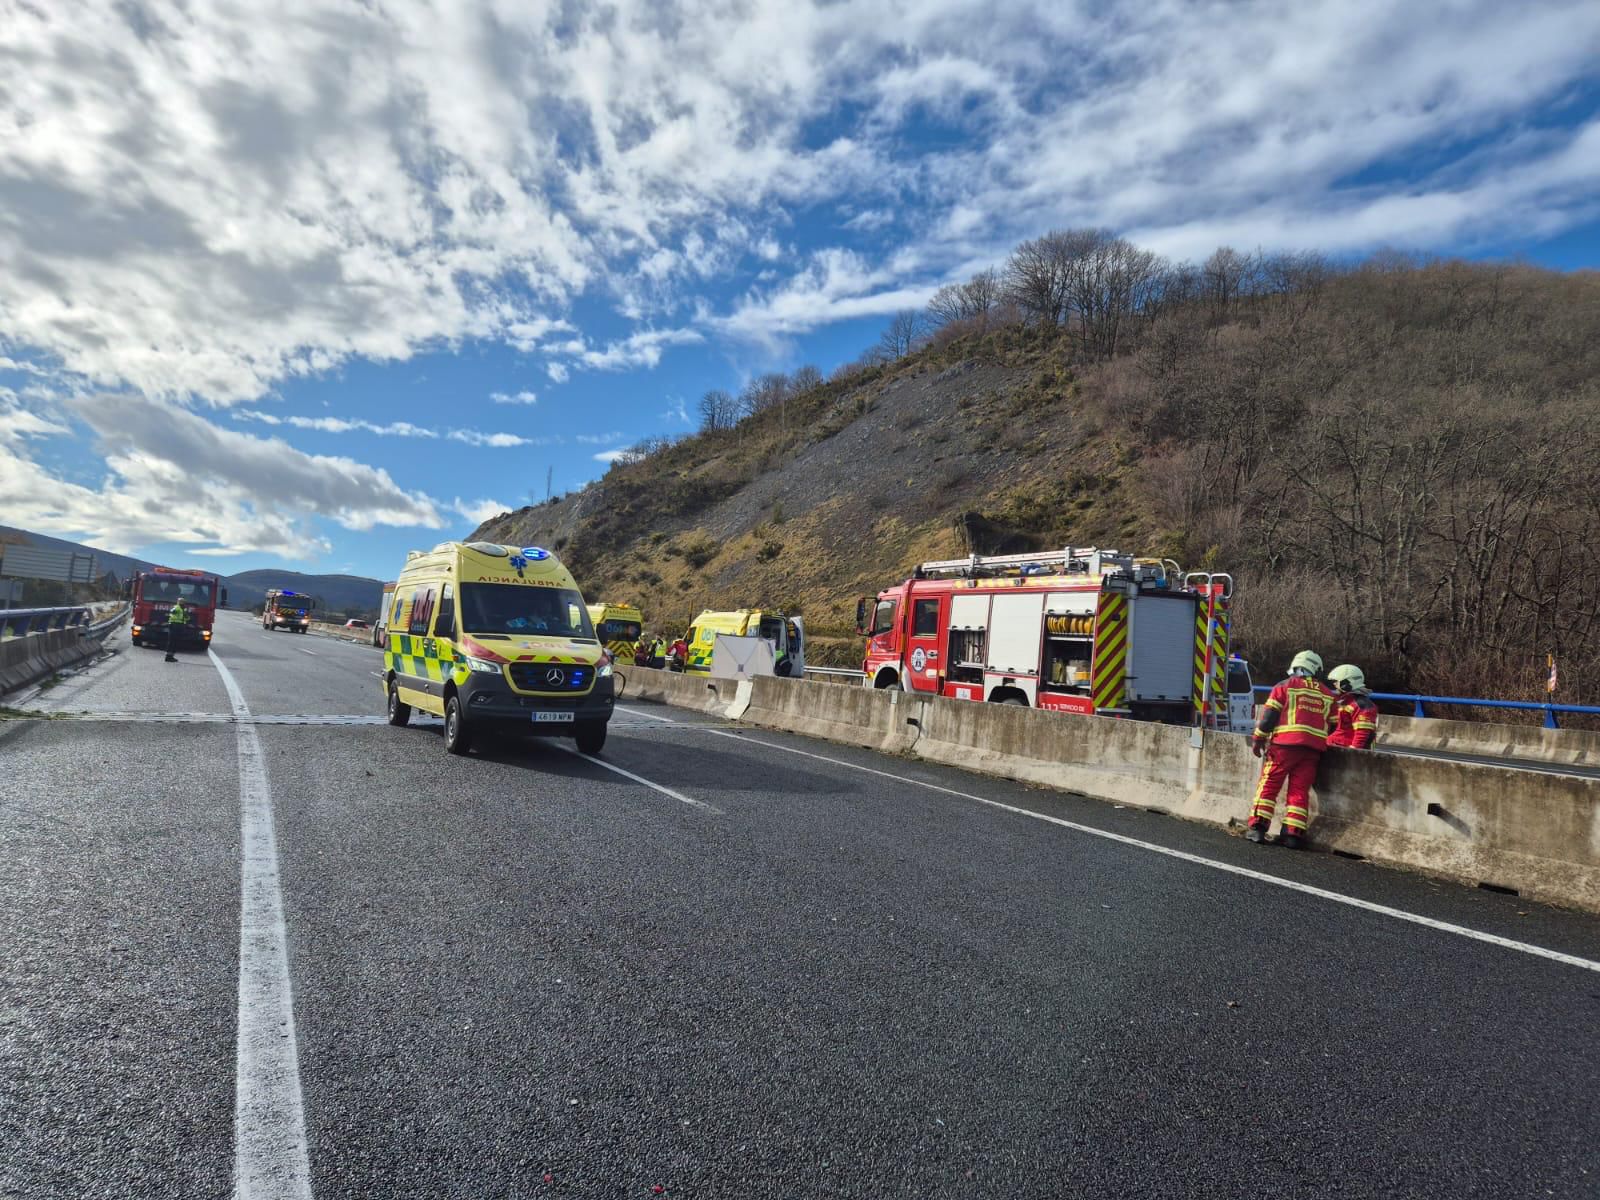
x=786, y=635
x=1079, y=630
x=495, y=639
x=618, y=627
x=153, y=593
x=284, y=609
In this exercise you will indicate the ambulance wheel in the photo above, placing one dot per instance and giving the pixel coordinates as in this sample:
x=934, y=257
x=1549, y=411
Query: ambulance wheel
x=456, y=738
x=591, y=736
x=399, y=710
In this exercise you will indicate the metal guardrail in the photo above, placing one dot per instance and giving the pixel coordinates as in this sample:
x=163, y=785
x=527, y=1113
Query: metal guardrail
x=101, y=628
x=838, y=672
x=21, y=622
x=1418, y=710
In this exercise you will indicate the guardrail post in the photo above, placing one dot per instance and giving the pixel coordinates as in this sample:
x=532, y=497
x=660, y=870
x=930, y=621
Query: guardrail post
x=1418, y=710
x=1550, y=721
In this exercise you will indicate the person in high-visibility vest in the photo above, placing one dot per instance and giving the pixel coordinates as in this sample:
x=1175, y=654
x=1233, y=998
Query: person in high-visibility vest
x=177, y=616
x=1357, y=715
x=1291, y=732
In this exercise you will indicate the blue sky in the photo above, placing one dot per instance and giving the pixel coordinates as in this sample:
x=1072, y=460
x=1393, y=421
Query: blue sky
x=314, y=289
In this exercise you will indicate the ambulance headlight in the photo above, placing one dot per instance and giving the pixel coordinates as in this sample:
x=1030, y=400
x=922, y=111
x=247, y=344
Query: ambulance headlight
x=481, y=664
x=604, y=671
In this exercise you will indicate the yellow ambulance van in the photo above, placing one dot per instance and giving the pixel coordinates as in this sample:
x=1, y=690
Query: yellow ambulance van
x=618, y=626
x=787, y=636
x=495, y=639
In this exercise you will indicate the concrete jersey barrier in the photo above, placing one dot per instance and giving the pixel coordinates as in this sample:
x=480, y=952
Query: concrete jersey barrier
x=1534, y=832
x=27, y=660
x=1533, y=743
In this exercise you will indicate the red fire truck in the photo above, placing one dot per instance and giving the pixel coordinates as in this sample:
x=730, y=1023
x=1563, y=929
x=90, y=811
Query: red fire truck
x=153, y=594
x=1078, y=630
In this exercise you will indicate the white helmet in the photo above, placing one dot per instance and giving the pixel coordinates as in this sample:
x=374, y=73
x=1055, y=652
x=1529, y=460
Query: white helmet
x=1348, y=678
x=1307, y=662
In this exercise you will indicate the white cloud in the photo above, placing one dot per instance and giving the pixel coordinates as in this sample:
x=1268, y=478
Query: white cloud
x=172, y=476
x=474, y=437
x=479, y=511
x=337, y=424
x=471, y=437
x=677, y=410
x=17, y=422
x=836, y=286
x=619, y=455
x=640, y=349
x=200, y=201
x=514, y=398
x=599, y=439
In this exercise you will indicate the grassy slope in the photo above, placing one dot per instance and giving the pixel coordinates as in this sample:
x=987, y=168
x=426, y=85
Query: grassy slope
x=981, y=444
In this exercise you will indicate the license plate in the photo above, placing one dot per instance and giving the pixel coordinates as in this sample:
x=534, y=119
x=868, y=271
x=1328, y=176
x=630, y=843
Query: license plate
x=557, y=718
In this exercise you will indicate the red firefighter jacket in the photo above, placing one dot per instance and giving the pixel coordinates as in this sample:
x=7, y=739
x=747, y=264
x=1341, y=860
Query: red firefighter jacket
x=1299, y=712
x=1357, y=722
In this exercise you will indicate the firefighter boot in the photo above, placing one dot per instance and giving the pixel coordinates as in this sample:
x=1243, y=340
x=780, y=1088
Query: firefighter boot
x=1255, y=831
x=1290, y=841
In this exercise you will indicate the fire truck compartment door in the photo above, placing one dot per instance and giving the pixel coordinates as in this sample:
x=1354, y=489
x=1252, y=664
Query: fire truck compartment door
x=1017, y=629
x=1074, y=604
x=969, y=612
x=1161, y=658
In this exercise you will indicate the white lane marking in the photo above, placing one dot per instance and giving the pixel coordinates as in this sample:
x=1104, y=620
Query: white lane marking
x=270, y=1159
x=641, y=713
x=303, y=650
x=1398, y=914
x=665, y=791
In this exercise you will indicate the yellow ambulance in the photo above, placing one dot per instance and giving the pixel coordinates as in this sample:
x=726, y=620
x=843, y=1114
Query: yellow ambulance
x=786, y=634
x=495, y=639
x=618, y=626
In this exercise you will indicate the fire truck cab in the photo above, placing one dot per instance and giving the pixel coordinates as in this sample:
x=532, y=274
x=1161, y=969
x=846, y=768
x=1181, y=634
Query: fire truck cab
x=1078, y=630
x=153, y=593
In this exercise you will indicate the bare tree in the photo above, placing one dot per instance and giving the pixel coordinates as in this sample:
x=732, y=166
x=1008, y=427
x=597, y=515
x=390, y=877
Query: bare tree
x=905, y=333
x=1036, y=278
x=718, y=410
x=805, y=378
x=969, y=301
x=763, y=392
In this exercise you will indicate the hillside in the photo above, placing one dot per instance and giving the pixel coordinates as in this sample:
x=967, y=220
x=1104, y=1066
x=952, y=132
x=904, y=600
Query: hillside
x=352, y=594
x=1389, y=458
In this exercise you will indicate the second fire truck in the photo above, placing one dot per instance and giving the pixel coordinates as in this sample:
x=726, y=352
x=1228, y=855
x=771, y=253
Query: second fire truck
x=1078, y=630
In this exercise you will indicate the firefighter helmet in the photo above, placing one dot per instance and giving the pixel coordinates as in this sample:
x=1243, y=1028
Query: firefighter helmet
x=1348, y=678
x=1307, y=662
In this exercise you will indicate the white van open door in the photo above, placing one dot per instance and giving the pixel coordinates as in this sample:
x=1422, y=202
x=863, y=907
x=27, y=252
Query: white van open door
x=795, y=631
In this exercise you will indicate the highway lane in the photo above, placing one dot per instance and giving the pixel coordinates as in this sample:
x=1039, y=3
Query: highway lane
x=827, y=982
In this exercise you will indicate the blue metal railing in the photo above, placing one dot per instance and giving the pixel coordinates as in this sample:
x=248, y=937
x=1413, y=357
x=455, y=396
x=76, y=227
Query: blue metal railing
x=1417, y=702
x=20, y=622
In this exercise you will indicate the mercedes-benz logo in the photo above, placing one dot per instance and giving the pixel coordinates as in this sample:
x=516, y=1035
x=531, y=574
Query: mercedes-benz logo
x=555, y=676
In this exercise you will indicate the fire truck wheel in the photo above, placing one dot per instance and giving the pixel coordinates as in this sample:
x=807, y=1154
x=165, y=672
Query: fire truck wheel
x=457, y=739
x=1017, y=700
x=399, y=710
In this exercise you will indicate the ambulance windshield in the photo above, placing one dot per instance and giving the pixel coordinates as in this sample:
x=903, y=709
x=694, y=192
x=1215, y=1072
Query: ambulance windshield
x=512, y=608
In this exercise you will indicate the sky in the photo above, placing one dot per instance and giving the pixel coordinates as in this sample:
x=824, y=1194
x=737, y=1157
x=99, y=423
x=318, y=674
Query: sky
x=310, y=284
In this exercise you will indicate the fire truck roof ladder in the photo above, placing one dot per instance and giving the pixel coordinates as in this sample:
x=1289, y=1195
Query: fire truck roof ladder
x=1087, y=560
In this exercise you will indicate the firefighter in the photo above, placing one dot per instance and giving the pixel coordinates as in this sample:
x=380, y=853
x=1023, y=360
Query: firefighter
x=176, y=616
x=1292, y=732
x=1357, y=715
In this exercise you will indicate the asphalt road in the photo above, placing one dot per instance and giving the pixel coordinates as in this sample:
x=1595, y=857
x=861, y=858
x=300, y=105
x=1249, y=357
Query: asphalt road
x=753, y=966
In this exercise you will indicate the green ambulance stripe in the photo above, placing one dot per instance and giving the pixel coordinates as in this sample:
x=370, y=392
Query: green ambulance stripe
x=407, y=655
